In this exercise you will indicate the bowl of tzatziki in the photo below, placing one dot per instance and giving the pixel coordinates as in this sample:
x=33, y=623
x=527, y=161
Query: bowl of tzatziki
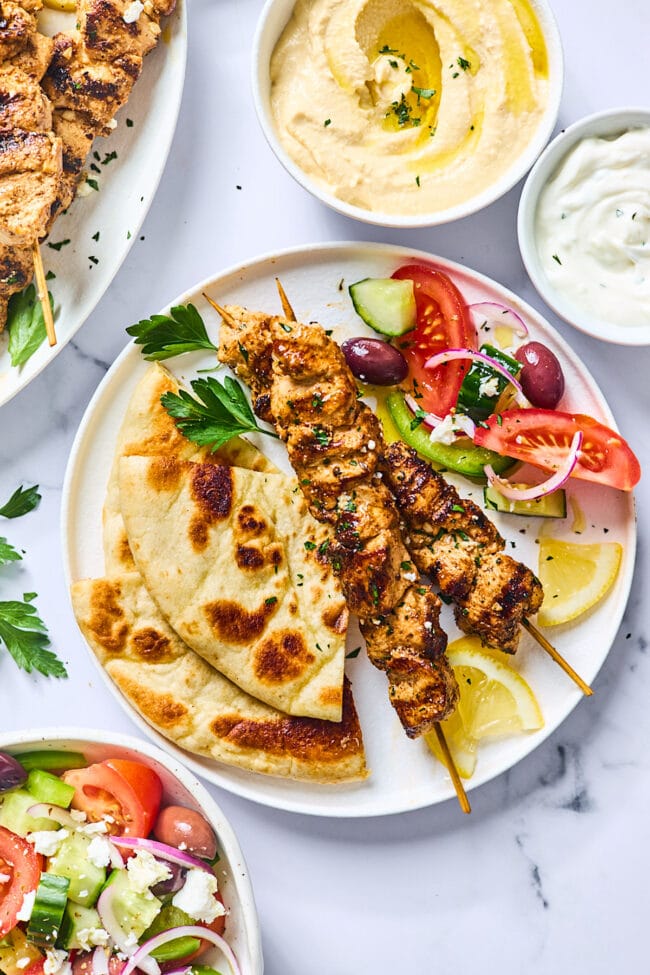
x=584, y=225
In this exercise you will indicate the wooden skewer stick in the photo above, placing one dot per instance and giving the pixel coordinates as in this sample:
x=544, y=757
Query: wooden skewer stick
x=43, y=297
x=286, y=304
x=557, y=657
x=463, y=801
x=227, y=317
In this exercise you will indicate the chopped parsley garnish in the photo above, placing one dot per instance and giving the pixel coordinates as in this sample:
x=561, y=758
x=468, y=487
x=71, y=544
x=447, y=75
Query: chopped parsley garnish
x=423, y=92
x=22, y=501
x=464, y=64
x=310, y=546
x=58, y=244
x=96, y=236
x=321, y=435
x=129, y=123
x=271, y=600
x=93, y=184
x=353, y=653
x=327, y=122
x=556, y=258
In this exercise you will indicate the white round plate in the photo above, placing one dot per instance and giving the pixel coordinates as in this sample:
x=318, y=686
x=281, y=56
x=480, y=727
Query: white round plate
x=127, y=184
x=404, y=775
x=179, y=788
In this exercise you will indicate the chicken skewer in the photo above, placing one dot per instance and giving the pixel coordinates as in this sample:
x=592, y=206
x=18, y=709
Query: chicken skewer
x=334, y=444
x=30, y=155
x=493, y=593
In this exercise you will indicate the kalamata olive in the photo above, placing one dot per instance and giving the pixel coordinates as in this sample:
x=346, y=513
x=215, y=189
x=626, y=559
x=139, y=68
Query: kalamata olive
x=376, y=362
x=541, y=376
x=186, y=830
x=12, y=774
x=172, y=884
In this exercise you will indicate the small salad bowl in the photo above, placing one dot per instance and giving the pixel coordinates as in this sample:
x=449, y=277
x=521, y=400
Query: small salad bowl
x=179, y=788
x=606, y=124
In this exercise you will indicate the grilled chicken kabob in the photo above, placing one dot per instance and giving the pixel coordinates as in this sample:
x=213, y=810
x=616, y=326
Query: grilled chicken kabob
x=30, y=153
x=301, y=383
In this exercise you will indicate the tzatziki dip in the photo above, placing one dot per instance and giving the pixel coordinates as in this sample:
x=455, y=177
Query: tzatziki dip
x=592, y=227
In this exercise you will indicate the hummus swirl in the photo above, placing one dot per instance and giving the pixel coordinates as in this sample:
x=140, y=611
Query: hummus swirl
x=406, y=106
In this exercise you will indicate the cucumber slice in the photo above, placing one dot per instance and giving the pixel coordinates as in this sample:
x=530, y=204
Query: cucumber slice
x=550, y=506
x=133, y=911
x=46, y=787
x=471, y=399
x=386, y=304
x=71, y=861
x=76, y=919
x=51, y=761
x=47, y=913
x=14, y=815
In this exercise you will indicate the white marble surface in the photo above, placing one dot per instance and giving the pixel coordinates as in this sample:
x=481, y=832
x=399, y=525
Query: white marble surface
x=549, y=872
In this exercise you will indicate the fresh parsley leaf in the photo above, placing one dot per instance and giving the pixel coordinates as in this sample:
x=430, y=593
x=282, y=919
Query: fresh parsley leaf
x=26, y=638
x=22, y=501
x=164, y=336
x=8, y=553
x=423, y=92
x=219, y=412
x=26, y=325
x=353, y=653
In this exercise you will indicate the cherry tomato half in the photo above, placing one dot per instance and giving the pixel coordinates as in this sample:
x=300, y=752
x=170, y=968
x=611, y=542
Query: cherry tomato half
x=129, y=792
x=543, y=438
x=23, y=866
x=443, y=323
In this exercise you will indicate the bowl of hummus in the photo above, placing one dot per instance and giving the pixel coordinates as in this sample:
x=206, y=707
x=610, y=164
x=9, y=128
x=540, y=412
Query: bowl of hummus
x=404, y=113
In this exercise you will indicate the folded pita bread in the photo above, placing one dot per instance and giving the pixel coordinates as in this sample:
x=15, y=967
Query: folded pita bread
x=191, y=704
x=232, y=558
x=148, y=430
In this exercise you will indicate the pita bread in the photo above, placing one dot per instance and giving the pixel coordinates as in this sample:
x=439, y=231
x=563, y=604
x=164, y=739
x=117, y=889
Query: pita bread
x=232, y=559
x=191, y=704
x=148, y=430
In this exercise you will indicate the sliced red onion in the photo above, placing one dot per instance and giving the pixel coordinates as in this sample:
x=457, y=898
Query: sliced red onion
x=162, y=851
x=430, y=420
x=99, y=961
x=538, y=490
x=494, y=313
x=184, y=931
x=45, y=810
x=106, y=911
x=450, y=355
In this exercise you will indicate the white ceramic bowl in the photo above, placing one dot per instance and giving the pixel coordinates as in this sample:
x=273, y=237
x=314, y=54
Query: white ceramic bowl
x=179, y=788
x=272, y=22
x=612, y=122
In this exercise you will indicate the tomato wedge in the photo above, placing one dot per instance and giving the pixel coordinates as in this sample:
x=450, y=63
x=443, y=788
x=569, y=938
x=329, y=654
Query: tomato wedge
x=543, y=438
x=443, y=323
x=23, y=867
x=129, y=792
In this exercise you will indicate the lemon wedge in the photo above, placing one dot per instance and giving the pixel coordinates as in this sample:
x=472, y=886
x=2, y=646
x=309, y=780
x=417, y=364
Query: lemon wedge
x=494, y=701
x=575, y=577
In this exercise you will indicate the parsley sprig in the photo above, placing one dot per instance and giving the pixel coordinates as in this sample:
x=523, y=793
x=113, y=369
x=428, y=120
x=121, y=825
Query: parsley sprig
x=22, y=631
x=164, y=336
x=26, y=638
x=216, y=414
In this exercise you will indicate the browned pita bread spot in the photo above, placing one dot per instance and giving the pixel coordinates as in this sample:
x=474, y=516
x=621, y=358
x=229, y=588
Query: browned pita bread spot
x=164, y=473
x=107, y=618
x=211, y=489
x=336, y=619
x=234, y=624
x=308, y=739
x=150, y=644
x=250, y=521
x=282, y=656
x=161, y=709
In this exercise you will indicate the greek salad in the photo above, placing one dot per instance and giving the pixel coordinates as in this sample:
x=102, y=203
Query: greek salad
x=97, y=877
x=471, y=392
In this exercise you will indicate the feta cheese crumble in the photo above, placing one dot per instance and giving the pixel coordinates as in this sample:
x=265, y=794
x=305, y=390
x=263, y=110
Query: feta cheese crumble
x=452, y=425
x=27, y=907
x=196, y=896
x=489, y=387
x=132, y=12
x=145, y=871
x=56, y=962
x=91, y=937
x=99, y=851
x=47, y=841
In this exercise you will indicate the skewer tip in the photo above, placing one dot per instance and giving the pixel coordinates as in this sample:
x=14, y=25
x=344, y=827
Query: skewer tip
x=463, y=801
x=43, y=295
x=557, y=657
x=227, y=317
x=286, y=304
